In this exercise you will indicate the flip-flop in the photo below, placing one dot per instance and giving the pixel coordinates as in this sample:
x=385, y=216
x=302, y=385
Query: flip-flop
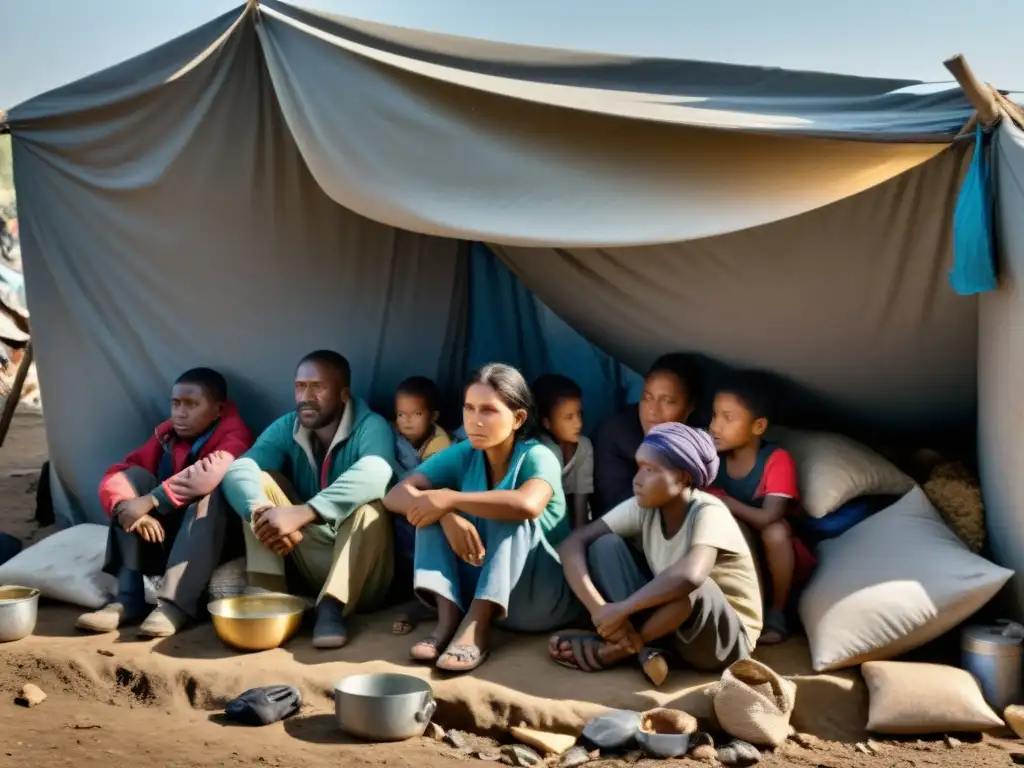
x=581, y=661
x=433, y=646
x=410, y=618
x=466, y=658
x=775, y=630
x=263, y=706
x=654, y=665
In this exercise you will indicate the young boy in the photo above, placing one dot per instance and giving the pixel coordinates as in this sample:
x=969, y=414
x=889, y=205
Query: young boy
x=418, y=436
x=758, y=484
x=150, y=499
x=559, y=402
x=699, y=585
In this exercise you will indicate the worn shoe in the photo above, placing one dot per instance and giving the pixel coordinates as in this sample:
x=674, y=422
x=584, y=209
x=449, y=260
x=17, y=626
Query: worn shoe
x=106, y=619
x=329, y=630
x=164, y=621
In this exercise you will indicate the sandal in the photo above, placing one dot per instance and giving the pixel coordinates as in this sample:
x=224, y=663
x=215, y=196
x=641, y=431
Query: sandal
x=775, y=630
x=584, y=647
x=461, y=658
x=431, y=650
x=654, y=665
x=410, y=618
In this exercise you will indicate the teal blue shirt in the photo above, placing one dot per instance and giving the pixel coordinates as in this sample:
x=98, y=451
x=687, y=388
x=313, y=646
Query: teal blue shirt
x=358, y=467
x=463, y=468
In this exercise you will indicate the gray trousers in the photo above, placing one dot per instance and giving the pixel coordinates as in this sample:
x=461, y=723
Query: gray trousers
x=198, y=539
x=711, y=639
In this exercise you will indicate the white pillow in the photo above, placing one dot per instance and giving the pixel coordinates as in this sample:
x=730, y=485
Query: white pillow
x=891, y=584
x=833, y=469
x=67, y=566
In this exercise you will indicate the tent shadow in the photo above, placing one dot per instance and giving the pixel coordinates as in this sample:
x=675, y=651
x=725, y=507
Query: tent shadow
x=317, y=729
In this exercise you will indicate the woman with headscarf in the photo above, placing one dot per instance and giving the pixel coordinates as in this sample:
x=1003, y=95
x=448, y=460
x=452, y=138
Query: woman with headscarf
x=697, y=594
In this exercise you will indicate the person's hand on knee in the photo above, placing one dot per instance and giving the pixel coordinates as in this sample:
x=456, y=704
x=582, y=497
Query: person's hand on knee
x=149, y=528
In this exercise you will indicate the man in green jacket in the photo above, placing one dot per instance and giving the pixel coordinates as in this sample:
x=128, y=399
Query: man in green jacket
x=310, y=489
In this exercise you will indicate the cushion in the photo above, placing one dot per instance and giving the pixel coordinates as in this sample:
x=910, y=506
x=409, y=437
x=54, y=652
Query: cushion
x=911, y=699
x=891, y=584
x=67, y=566
x=833, y=469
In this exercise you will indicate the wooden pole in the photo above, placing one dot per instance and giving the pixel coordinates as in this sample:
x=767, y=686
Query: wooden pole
x=981, y=96
x=15, y=394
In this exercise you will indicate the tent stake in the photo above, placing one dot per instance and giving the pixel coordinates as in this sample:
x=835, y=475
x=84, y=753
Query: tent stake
x=980, y=96
x=14, y=396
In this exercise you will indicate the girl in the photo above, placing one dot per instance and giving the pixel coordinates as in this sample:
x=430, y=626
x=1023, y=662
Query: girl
x=489, y=513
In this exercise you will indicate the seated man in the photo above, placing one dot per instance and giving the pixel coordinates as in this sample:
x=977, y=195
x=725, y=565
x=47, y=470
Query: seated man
x=699, y=585
x=156, y=526
x=671, y=393
x=310, y=490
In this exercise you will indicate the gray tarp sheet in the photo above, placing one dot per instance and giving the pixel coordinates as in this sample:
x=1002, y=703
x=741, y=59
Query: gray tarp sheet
x=210, y=202
x=1001, y=365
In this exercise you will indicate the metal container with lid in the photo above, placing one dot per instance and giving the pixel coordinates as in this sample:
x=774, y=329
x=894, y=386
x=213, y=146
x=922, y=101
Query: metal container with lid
x=993, y=654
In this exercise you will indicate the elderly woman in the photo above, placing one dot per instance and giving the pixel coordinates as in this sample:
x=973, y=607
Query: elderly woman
x=698, y=590
x=489, y=513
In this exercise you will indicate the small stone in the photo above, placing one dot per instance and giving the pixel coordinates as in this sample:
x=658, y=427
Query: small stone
x=455, y=739
x=574, y=757
x=434, y=731
x=488, y=755
x=1014, y=717
x=705, y=753
x=864, y=748
x=806, y=740
x=874, y=746
x=30, y=696
x=519, y=755
x=953, y=743
x=633, y=756
x=614, y=730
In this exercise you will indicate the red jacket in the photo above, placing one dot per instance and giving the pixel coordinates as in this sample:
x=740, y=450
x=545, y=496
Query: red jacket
x=229, y=440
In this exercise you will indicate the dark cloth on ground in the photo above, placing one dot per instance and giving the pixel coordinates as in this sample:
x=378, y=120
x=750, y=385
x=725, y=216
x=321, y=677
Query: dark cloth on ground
x=713, y=636
x=616, y=440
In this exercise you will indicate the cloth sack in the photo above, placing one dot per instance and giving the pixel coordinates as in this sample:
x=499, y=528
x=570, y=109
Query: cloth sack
x=228, y=580
x=67, y=566
x=909, y=699
x=891, y=584
x=833, y=469
x=754, y=703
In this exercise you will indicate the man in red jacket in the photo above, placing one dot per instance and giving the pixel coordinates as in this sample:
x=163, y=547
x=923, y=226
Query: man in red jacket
x=157, y=500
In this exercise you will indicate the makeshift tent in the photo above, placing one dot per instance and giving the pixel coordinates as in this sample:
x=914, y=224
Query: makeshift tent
x=279, y=180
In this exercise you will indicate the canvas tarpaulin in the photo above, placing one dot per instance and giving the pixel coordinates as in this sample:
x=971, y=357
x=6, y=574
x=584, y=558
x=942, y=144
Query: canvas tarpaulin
x=211, y=202
x=1001, y=364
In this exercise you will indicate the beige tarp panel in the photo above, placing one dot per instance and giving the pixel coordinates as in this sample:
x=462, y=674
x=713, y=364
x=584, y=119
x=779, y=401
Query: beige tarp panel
x=1001, y=365
x=425, y=148
x=178, y=226
x=851, y=300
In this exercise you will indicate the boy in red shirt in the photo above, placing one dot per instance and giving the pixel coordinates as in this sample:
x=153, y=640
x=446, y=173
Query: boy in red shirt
x=159, y=525
x=758, y=482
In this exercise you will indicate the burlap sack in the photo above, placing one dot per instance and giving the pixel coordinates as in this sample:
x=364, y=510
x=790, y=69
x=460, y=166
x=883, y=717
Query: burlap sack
x=754, y=704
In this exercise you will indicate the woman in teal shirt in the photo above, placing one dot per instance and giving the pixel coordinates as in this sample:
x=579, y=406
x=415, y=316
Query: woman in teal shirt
x=489, y=514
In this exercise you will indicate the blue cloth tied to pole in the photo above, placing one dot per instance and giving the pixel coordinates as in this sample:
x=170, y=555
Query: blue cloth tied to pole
x=974, y=258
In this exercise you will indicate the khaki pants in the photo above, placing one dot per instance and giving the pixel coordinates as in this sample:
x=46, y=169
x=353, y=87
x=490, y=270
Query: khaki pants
x=354, y=563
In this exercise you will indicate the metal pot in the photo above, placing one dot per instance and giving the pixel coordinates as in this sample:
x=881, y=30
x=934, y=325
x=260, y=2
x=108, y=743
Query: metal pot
x=257, y=622
x=19, y=609
x=383, y=707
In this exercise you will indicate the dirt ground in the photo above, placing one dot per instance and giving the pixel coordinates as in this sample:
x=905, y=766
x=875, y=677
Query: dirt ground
x=123, y=720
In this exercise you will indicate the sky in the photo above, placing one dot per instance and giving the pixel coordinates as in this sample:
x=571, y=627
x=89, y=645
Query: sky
x=46, y=43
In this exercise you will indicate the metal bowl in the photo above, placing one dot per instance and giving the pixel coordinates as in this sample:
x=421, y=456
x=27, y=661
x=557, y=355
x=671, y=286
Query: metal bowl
x=257, y=622
x=383, y=707
x=19, y=609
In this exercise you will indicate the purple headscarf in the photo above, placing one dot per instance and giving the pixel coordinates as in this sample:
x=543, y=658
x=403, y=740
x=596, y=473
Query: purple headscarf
x=691, y=450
